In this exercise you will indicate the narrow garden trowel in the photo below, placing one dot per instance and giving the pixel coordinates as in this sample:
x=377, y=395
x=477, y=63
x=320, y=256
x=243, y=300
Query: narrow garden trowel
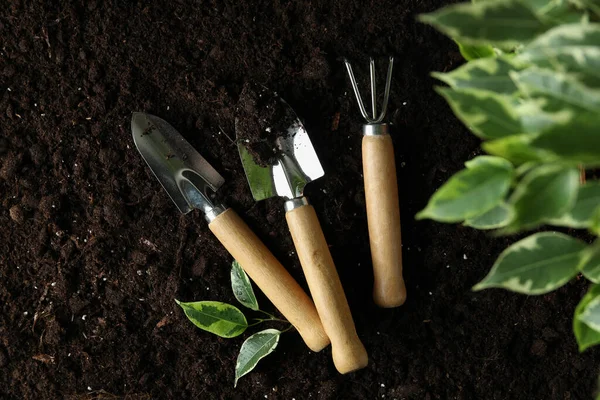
x=295, y=165
x=187, y=178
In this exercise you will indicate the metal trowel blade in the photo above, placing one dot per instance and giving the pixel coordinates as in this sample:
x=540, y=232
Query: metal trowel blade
x=296, y=164
x=181, y=170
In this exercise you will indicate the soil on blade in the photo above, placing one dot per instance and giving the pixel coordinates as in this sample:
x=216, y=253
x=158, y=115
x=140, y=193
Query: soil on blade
x=93, y=252
x=261, y=117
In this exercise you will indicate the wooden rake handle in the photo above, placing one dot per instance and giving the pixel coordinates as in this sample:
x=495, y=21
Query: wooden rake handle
x=383, y=215
x=348, y=352
x=271, y=277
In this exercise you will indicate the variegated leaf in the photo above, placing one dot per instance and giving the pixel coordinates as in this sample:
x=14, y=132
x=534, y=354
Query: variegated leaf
x=588, y=201
x=490, y=74
x=577, y=141
x=222, y=319
x=591, y=267
x=591, y=314
x=497, y=217
x=255, y=348
x=545, y=193
x=471, y=192
x=475, y=51
x=534, y=117
x=563, y=90
x=537, y=264
x=504, y=23
x=242, y=288
x=487, y=114
x=585, y=335
x=592, y=5
x=568, y=48
x=555, y=11
x=518, y=150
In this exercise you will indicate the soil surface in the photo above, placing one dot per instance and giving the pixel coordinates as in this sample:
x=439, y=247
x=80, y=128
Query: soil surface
x=260, y=118
x=93, y=252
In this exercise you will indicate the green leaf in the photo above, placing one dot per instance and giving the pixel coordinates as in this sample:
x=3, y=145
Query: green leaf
x=571, y=48
x=473, y=52
x=497, y=217
x=565, y=90
x=555, y=11
x=577, y=141
x=222, y=319
x=590, y=314
x=592, y=5
x=534, y=118
x=525, y=168
x=586, y=336
x=591, y=267
x=491, y=74
x=242, y=288
x=255, y=348
x=472, y=191
x=595, y=223
x=580, y=216
x=518, y=150
x=504, y=23
x=545, y=193
x=537, y=264
x=488, y=115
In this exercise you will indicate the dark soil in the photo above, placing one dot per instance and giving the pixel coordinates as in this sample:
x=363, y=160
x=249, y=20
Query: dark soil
x=261, y=117
x=93, y=252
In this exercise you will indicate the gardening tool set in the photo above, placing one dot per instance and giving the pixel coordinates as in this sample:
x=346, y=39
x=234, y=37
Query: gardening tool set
x=191, y=183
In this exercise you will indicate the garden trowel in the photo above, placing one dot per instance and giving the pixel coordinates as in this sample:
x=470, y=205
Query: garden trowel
x=295, y=165
x=188, y=178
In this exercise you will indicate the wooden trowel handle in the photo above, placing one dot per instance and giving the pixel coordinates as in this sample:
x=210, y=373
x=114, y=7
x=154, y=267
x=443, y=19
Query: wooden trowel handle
x=348, y=352
x=271, y=277
x=383, y=215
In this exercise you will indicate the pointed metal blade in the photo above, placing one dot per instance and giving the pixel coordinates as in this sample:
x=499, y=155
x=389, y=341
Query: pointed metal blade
x=181, y=170
x=296, y=165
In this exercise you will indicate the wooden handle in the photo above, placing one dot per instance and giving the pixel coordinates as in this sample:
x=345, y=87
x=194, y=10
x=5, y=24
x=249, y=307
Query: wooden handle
x=383, y=215
x=271, y=277
x=348, y=352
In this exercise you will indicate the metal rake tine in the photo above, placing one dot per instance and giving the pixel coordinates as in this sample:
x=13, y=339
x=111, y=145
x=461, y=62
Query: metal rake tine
x=373, y=88
x=375, y=119
x=361, y=106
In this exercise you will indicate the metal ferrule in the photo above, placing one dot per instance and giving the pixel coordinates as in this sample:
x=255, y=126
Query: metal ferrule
x=375, y=129
x=298, y=202
x=214, y=212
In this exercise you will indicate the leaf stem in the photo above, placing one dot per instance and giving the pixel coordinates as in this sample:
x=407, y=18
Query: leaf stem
x=261, y=320
x=266, y=313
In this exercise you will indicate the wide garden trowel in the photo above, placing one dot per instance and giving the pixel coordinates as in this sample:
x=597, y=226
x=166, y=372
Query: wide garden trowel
x=295, y=165
x=187, y=177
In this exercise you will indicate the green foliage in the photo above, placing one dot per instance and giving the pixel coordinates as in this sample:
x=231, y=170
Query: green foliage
x=491, y=75
x=497, y=217
x=242, y=288
x=546, y=192
x=569, y=48
x=222, y=319
x=535, y=103
x=473, y=52
x=582, y=212
x=228, y=321
x=586, y=335
x=256, y=347
x=471, y=192
x=591, y=267
x=500, y=23
x=489, y=116
x=537, y=264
